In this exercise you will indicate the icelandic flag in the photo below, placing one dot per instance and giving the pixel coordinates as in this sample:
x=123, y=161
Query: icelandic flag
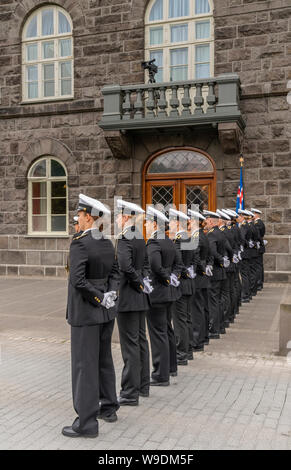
x=240, y=193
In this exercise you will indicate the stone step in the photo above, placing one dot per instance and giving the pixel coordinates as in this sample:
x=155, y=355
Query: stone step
x=33, y=270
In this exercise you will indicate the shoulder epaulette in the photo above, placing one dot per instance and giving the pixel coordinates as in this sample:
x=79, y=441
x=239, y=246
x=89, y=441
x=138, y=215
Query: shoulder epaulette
x=196, y=235
x=229, y=227
x=221, y=228
x=81, y=236
x=211, y=230
x=178, y=237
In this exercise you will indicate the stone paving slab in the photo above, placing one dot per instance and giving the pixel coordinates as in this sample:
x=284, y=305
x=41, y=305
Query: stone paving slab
x=235, y=395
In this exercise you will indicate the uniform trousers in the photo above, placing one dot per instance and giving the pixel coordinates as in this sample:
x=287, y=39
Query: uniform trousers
x=93, y=375
x=253, y=275
x=225, y=300
x=182, y=329
x=162, y=338
x=260, y=261
x=245, y=275
x=206, y=295
x=135, y=375
x=237, y=289
x=199, y=317
x=215, y=306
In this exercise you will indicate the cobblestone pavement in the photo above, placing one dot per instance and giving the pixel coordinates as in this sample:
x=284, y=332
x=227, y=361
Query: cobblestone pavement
x=235, y=395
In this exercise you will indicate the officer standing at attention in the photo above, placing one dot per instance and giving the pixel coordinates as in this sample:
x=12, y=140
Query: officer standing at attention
x=262, y=229
x=200, y=317
x=182, y=317
x=165, y=263
x=254, y=245
x=245, y=232
x=133, y=305
x=91, y=310
x=220, y=262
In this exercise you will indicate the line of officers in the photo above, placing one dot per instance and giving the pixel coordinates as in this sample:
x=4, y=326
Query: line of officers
x=187, y=287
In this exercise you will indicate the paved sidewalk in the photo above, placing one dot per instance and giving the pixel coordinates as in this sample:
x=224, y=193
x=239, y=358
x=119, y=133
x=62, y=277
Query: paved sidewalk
x=235, y=395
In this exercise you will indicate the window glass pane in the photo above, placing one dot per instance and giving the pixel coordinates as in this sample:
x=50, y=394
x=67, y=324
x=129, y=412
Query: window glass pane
x=49, y=89
x=157, y=11
x=49, y=72
x=47, y=22
x=181, y=161
x=178, y=8
x=158, y=55
x=57, y=170
x=48, y=50
x=59, y=189
x=66, y=87
x=64, y=25
x=32, y=74
x=203, y=53
x=32, y=90
x=31, y=51
x=179, y=33
x=39, y=223
x=31, y=31
x=59, y=223
x=39, y=206
x=179, y=64
x=202, y=71
x=202, y=6
x=156, y=36
x=38, y=189
x=203, y=30
x=66, y=70
x=65, y=47
x=58, y=206
x=40, y=169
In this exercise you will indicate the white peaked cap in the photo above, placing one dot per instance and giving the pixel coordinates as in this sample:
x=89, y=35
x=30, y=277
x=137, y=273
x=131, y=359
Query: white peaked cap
x=223, y=215
x=178, y=214
x=250, y=213
x=195, y=214
x=242, y=212
x=92, y=206
x=211, y=214
x=256, y=210
x=153, y=214
x=129, y=207
x=230, y=212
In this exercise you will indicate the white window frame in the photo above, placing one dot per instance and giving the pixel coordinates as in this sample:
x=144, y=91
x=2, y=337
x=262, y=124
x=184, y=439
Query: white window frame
x=48, y=180
x=57, y=60
x=192, y=42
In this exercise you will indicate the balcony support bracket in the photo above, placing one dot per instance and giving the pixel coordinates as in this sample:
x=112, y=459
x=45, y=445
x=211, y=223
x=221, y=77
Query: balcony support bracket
x=230, y=137
x=119, y=144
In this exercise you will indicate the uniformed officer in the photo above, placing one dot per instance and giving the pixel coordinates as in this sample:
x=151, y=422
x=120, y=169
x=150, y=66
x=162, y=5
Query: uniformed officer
x=91, y=310
x=245, y=232
x=254, y=246
x=182, y=317
x=217, y=244
x=165, y=263
x=133, y=304
x=204, y=267
x=261, y=228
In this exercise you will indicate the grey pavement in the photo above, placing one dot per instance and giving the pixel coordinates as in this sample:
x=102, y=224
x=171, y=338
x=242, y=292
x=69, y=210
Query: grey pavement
x=234, y=395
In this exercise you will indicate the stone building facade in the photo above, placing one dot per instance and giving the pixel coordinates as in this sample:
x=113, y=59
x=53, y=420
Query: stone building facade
x=251, y=39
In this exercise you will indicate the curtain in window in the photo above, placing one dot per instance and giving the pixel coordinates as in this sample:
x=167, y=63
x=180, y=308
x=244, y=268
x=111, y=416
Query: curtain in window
x=179, y=33
x=203, y=30
x=202, y=6
x=178, y=8
x=156, y=36
x=47, y=22
x=203, y=56
x=179, y=64
x=157, y=11
x=32, y=28
x=64, y=25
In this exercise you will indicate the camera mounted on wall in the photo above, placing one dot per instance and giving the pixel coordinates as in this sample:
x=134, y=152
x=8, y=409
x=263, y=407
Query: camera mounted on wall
x=152, y=68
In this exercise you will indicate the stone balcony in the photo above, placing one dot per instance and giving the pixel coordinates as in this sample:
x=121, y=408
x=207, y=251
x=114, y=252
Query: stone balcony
x=158, y=107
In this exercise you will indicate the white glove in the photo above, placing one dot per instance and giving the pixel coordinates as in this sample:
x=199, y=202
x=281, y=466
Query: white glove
x=191, y=272
x=239, y=256
x=148, y=288
x=251, y=244
x=174, y=280
x=241, y=248
x=208, y=270
x=226, y=262
x=108, y=301
x=265, y=242
x=113, y=294
x=258, y=245
x=235, y=259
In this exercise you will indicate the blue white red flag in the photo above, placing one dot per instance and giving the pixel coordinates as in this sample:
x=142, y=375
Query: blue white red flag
x=240, y=193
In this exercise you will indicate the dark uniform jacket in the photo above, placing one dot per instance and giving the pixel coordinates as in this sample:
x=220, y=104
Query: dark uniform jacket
x=189, y=258
x=134, y=266
x=93, y=271
x=204, y=258
x=217, y=245
x=261, y=229
x=164, y=259
x=246, y=233
x=255, y=236
x=229, y=246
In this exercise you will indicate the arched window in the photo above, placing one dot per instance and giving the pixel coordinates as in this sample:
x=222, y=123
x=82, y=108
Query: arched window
x=47, y=55
x=47, y=197
x=179, y=34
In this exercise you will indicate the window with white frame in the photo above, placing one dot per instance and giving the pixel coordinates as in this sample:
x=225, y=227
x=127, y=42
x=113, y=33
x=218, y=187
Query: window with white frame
x=47, y=198
x=47, y=55
x=179, y=34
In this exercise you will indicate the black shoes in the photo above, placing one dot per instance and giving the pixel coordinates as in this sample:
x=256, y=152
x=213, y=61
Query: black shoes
x=144, y=394
x=222, y=331
x=199, y=348
x=68, y=431
x=122, y=401
x=108, y=418
x=156, y=383
x=173, y=374
x=214, y=336
x=190, y=356
x=206, y=341
x=182, y=362
x=245, y=301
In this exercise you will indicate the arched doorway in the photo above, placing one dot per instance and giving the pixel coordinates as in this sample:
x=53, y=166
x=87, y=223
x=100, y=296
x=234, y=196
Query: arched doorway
x=183, y=175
